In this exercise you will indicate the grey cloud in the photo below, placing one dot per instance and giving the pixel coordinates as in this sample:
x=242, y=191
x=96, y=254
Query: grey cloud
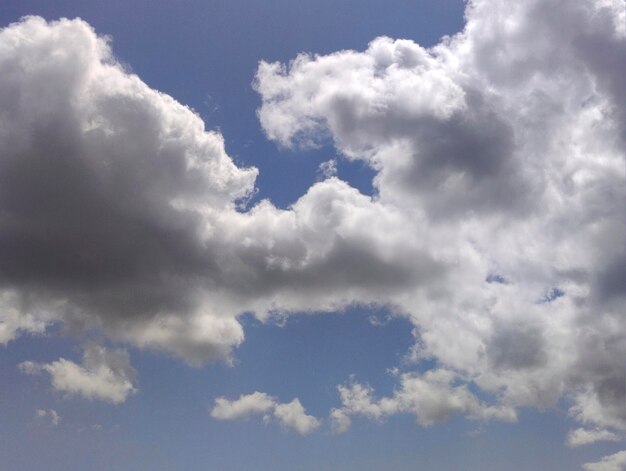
x=611, y=283
x=118, y=211
x=335, y=246
x=431, y=132
x=102, y=181
x=516, y=346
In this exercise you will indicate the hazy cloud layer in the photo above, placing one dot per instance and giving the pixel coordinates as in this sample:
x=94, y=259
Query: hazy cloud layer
x=14, y=319
x=291, y=415
x=103, y=374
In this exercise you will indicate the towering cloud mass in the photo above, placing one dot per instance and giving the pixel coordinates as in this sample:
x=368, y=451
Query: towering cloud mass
x=497, y=224
x=104, y=184
x=502, y=148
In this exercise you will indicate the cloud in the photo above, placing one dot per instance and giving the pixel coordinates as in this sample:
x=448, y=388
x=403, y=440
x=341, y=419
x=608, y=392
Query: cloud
x=14, y=321
x=119, y=212
x=455, y=128
x=431, y=397
x=398, y=108
x=340, y=420
x=290, y=415
x=104, y=186
x=600, y=404
x=104, y=375
x=615, y=462
x=516, y=347
x=582, y=436
x=498, y=153
x=246, y=405
x=50, y=414
x=502, y=147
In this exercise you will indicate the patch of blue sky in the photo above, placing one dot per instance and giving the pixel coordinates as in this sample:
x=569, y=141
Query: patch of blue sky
x=496, y=278
x=551, y=295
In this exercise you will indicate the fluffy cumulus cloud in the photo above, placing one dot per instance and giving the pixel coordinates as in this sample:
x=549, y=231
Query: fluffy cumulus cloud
x=290, y=415
x=431, y=397
x=502, y=151
x=615, y=462
x=496, y=227
x=246, y=405
x=119, y=212
x=104, y=374
x=104, y=186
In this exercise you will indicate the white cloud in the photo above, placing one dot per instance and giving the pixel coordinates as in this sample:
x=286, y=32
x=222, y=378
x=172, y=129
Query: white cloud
x=105, y=188
x=246, y=405
x=104, y=374
x=502, y=148
x=293, y=416
x=499, y=158
x=50, y=414
x=582, y=436
x=13, y=321
x=290, y=415
x=615, y=462
x=121, y=212
x=600, y=405
x=340, y=421
x=431, y=397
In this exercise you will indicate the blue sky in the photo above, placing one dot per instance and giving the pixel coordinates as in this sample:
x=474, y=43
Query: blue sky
x=159, y=313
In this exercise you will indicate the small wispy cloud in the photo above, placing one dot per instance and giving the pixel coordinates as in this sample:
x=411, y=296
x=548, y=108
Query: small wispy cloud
x=50, y=415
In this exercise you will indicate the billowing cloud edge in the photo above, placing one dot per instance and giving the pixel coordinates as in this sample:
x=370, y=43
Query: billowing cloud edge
x=493, y=247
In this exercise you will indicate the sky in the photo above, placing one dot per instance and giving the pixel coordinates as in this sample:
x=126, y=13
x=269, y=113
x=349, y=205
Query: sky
x=330, y=235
